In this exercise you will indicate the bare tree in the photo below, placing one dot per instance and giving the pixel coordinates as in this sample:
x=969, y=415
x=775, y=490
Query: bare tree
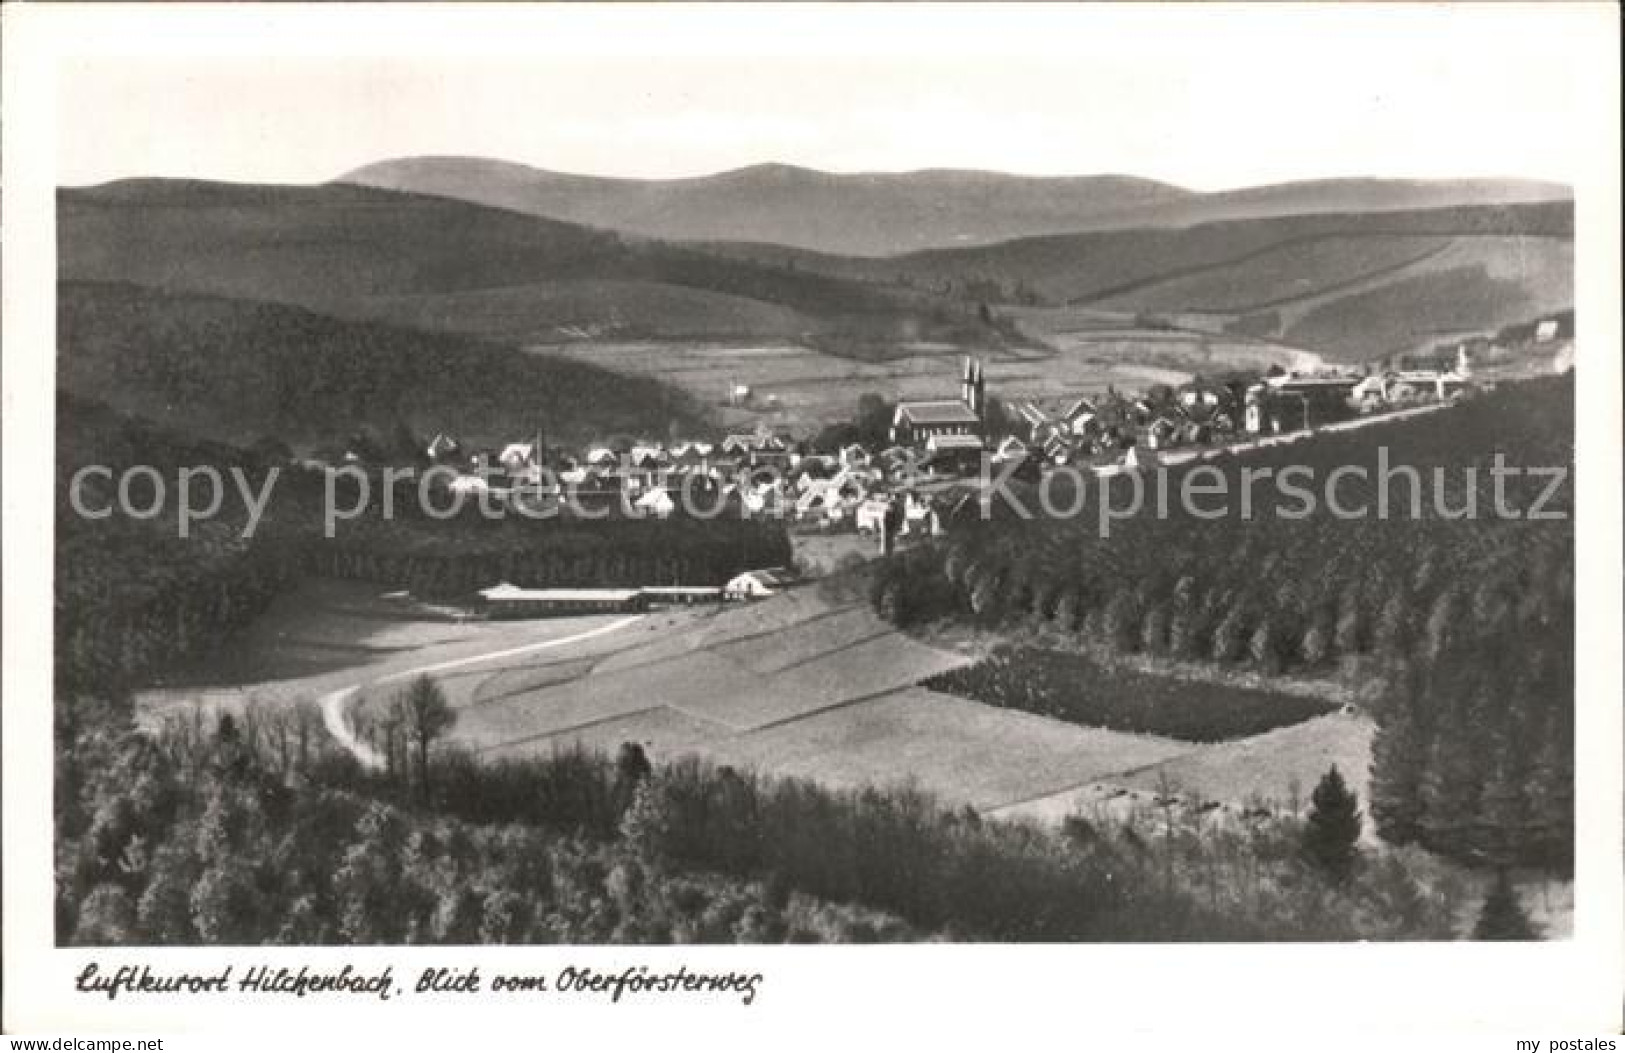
x=424, y=716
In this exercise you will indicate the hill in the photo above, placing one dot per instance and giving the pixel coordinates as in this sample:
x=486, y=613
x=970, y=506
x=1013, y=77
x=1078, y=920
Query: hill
x=362, y=253
x=1349, y=285
x=887, y=213
x=866, y=214
x=238, y=371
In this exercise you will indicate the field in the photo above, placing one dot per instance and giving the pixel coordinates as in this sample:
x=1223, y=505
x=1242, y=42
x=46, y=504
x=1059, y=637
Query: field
x=1073, y=687
x=799, y=386
x=802, y=685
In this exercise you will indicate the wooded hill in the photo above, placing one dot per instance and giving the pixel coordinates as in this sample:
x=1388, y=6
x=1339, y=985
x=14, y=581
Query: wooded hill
x=241, y=371
x=432, y=262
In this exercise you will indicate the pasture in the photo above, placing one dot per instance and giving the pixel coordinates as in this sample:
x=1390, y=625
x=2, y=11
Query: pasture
x=800, y=387
x=805, y=684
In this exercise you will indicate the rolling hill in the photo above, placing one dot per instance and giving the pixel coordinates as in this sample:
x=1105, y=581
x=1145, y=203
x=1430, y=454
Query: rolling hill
x=237, y=371
x=361, y=253
x=888, y=213
x=1316, y=281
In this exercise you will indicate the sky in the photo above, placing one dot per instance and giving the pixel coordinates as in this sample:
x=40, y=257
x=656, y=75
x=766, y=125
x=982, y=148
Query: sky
x=1203, y=99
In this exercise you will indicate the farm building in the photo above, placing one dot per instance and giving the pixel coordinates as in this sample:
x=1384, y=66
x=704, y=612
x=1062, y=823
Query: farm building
x=511, y=601
x=684, y=594
x=758, y=584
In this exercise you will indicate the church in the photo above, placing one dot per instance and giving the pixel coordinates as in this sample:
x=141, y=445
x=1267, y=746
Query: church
x=915, y=423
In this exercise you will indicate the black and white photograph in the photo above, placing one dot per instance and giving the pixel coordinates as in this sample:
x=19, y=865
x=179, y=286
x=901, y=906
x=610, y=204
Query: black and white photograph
x=1068, y=476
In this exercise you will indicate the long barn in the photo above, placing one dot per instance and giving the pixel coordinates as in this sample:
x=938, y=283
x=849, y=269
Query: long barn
x=510, y=601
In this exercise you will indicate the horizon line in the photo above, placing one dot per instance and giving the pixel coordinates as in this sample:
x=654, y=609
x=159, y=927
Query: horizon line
x=927, y=170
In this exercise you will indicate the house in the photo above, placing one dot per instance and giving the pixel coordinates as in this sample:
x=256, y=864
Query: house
x=516, y=457
x=443, y=447
x=920, y=515
x=827, y=497
x=1035, y=417
x=1076, y=409
x=469, y=484
x=953, y=453
x=1308, y=400
x=1202, y=401
x=870, y=516
x=854, y=456
x=692, y=457
x=657, y=502
x=1011, y=449
x=757, y=584
x=510, y=601
x=1138, y=458
x=1162, y=433
x=1371, y=391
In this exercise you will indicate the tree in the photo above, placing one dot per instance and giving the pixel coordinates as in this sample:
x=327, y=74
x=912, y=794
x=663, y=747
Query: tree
x=1334, y=824
x=632, y=769
x=425, y=716
x=1502, y=916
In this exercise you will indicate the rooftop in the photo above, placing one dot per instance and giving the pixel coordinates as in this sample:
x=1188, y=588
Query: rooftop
x=943, y=411
x=513, y=593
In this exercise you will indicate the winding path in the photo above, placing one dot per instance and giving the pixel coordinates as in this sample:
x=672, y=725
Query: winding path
x=335, y=704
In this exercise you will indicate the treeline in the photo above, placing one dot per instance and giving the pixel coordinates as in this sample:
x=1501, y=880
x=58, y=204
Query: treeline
x=252, y=828
x=451, y=559
x=1425, y=603
x=132, y=597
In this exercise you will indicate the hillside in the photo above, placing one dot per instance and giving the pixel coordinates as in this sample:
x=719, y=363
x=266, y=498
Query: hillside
x=432, y=262
x=887, y=213
x=238, y=371
x=1347, y=286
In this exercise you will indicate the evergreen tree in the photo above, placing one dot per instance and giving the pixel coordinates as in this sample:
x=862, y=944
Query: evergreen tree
x=1333, y=829
x=1398, y=751
x=1502, y=916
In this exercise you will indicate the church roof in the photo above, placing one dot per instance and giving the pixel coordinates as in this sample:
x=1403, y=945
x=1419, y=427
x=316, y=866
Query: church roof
x=944, y=411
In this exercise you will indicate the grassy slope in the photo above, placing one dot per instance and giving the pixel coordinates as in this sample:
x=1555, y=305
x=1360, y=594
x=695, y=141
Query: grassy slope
x=1345, y=286
x=236, y=370
x=1091, y=267
x=363, y=253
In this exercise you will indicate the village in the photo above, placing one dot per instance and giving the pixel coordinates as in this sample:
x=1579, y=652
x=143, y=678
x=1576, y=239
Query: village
x=931, y=466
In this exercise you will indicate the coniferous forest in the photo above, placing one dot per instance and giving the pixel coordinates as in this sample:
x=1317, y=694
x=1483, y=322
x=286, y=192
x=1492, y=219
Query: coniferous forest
x=1467, y=622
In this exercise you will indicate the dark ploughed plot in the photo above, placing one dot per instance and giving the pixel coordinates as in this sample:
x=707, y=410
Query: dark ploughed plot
x=1077, y=689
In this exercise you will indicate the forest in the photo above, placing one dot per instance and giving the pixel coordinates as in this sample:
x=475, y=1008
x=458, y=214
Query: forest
x=1467, y=622
x=254, y=827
